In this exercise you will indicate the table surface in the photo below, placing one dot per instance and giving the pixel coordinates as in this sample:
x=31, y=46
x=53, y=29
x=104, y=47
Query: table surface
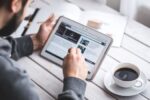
x=135, y=48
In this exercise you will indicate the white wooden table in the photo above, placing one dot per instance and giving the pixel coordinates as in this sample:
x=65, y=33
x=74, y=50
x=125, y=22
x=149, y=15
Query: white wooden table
x=135, y=49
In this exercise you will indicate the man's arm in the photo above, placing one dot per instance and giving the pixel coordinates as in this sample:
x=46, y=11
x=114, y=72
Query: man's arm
x=74, y=89
x=20, y=47
x=75, y=73
x=25, y=45
x=14, y=82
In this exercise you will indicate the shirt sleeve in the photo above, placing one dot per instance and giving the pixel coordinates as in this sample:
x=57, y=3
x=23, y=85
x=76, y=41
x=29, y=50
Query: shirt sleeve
x=74, y=89
x=21, y=47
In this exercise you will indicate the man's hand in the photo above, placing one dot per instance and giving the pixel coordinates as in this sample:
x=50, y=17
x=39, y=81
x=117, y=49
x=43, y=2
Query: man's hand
x=45, y=29
x=74, y=64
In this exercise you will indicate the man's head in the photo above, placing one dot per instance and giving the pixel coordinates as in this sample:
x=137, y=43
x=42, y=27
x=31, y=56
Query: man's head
x=12, y=12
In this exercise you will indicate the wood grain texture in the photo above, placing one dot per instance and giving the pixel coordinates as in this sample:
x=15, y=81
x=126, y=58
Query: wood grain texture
x=47, y=81
x=107, y=65
x=42, y=94
x=57, y=71
x=138, y=31
x=137, y=48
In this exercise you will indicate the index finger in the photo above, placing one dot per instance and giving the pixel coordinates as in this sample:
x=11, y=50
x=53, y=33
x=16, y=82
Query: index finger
x=72, y=51
x=50, y=19
x=78, y=51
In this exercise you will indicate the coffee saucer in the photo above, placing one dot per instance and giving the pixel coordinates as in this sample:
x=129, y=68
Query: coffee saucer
x=134, y=90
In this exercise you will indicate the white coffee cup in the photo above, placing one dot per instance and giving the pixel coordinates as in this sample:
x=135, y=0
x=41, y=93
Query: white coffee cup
x=127, y=83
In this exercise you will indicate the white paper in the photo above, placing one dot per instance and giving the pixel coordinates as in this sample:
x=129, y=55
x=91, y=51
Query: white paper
x=60, y=9
x=111, y=24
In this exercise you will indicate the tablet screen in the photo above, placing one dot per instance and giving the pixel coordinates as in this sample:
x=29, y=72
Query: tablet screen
x=68, y=36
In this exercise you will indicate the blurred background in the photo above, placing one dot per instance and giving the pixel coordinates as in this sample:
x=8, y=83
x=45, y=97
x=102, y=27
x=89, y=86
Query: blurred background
x=135, y=9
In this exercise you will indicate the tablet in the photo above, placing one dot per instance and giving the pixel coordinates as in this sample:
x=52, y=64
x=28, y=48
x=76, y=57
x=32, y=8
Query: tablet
x=68, y=33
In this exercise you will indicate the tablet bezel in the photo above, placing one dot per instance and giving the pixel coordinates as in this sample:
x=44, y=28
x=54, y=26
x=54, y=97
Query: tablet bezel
x=86, y=29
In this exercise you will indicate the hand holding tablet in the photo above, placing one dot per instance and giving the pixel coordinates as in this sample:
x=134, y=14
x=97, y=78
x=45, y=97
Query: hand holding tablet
x=67, y=34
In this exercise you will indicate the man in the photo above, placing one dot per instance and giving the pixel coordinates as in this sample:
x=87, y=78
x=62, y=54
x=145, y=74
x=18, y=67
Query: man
x=14, y=82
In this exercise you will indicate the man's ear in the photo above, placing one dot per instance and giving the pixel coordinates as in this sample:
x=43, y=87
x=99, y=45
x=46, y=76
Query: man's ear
x=15, y=6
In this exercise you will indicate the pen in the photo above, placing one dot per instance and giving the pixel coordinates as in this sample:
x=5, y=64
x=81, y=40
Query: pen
x=40, y=22
x=30, y=21
x=46, y=2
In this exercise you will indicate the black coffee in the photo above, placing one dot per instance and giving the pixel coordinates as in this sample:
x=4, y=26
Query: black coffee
x=126, y=74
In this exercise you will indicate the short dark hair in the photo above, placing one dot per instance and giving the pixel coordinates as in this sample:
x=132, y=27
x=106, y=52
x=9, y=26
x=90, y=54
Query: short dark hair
x=7, y=3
